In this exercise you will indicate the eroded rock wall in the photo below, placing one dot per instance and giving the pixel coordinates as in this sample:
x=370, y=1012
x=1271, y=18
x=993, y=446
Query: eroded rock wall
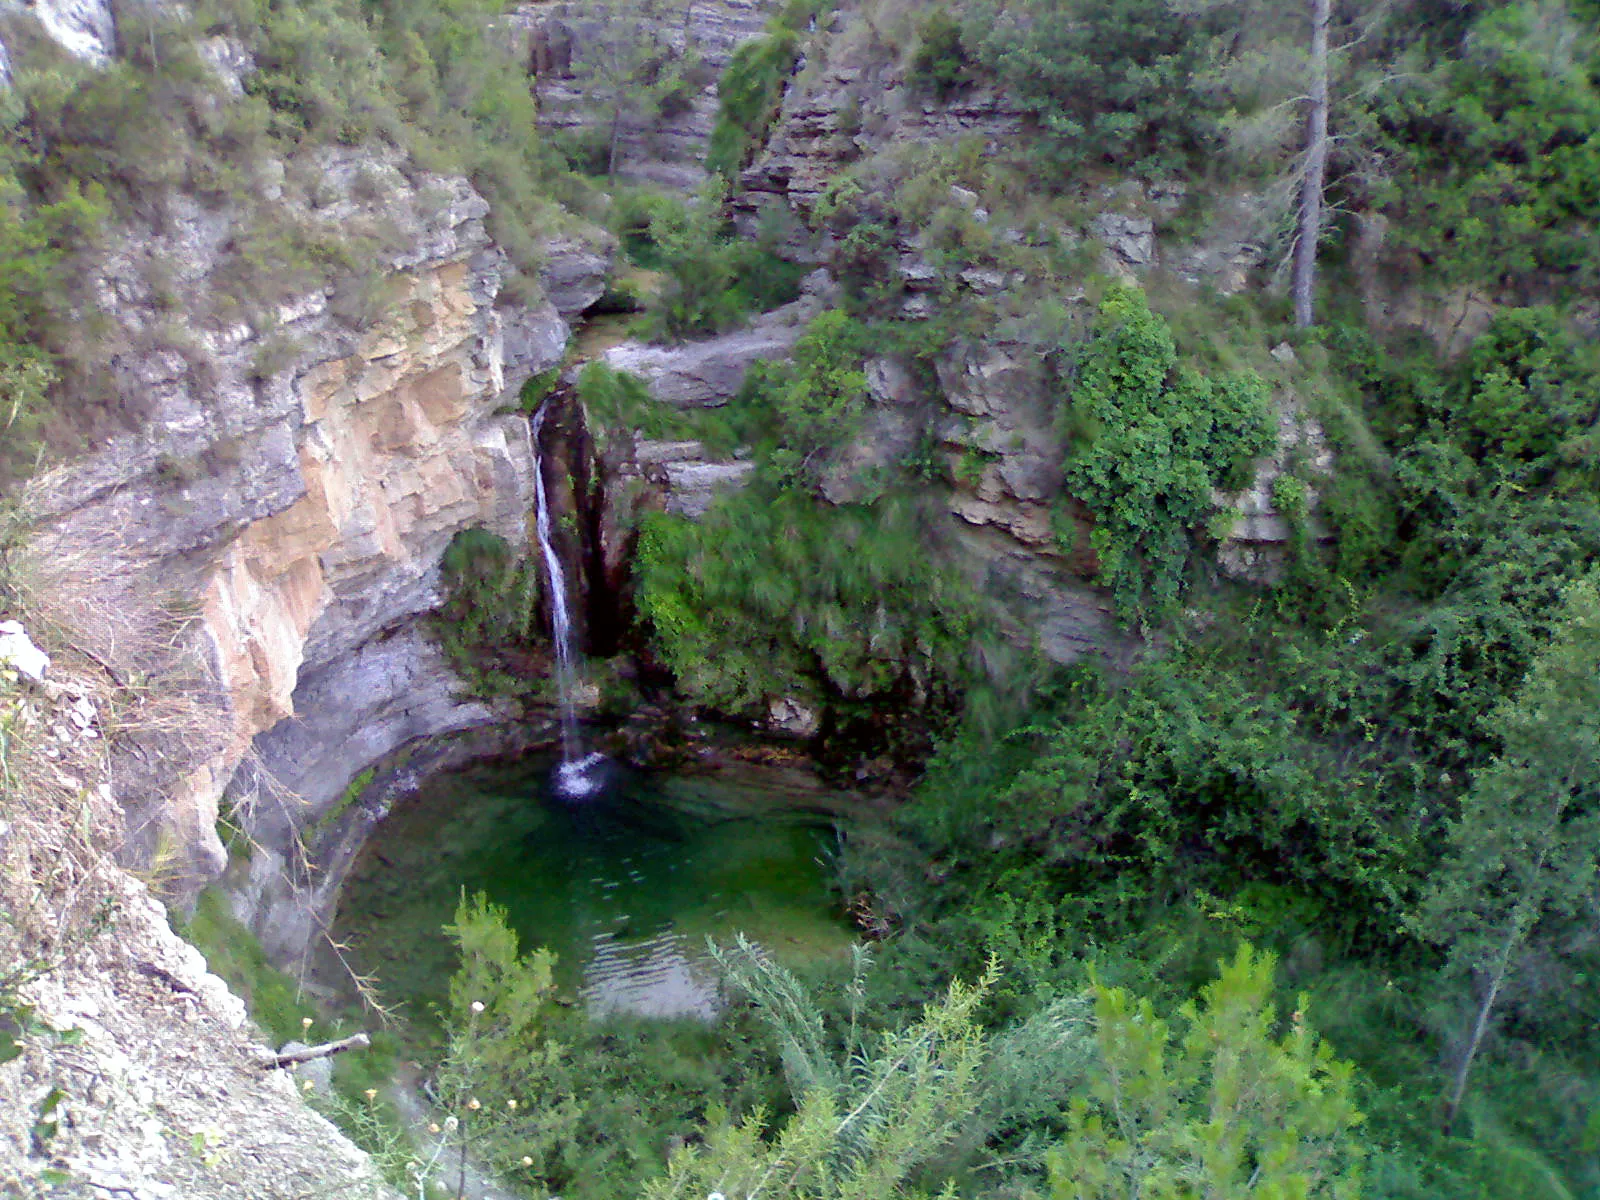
x=296, y=487
x=666, y=148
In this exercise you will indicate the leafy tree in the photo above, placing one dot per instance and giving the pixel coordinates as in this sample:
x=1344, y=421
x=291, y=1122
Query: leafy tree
x=819, y=402
x=748, y=95
x=1149, y=441
x=1497, y=149
x=492, y=1077
x=1294, y=81
x=1225, y=1109
x=714, y=279
x=1111, y=81
x=941, y=62
x=1526, y=848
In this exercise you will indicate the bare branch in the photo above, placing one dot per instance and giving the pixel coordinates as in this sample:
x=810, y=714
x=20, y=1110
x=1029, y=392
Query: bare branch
x=356, y=1041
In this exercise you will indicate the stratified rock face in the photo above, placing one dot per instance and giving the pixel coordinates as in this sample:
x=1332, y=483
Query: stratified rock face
x=844, y=111
x=301, y=487
x=665, y=149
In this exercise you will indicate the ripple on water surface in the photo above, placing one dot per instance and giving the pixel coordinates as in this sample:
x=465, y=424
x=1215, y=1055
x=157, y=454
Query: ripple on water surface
x=624, y=885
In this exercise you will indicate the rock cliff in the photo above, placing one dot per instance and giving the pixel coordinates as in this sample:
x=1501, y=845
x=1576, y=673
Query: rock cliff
x=573, y=49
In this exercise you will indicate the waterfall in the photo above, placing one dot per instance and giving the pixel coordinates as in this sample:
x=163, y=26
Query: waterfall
x=573, y=778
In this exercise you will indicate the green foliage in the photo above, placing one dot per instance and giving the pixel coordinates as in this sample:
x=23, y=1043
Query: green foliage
x=1227, y=1109
x=488, y=623
x=35, y=242
x=714, y=279
x=232, y=952
x=853, y=1136
x=495, y=1057
x=1110, y=81
x=748, y=95
x=1150, y=440
x=940, y=63
x=1501, y=139
x=818, y=402
x=359, y=783
x=618, y=401
x=557, y=1102
x=1524, y=851
x=777, y=594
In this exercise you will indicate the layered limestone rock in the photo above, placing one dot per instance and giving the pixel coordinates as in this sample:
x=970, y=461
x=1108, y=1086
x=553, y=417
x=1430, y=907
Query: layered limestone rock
x=569, y=46
x=85, y=29
x=300, y=486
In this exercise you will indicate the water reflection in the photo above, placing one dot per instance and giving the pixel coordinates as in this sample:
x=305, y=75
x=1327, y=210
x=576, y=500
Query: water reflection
x=623, y=884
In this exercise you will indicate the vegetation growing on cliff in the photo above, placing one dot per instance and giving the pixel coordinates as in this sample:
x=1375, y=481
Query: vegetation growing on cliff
x=1378, y=767
x=1148, y=444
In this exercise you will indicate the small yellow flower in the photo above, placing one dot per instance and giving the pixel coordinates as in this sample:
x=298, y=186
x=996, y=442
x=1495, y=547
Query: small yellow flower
x=433, y=1127
x=473, y=1104
x=371, y=1094
x=512, y=1105
x=526, y=1161
x=305, y=1022
x=306, y=1085
x=477, y=1007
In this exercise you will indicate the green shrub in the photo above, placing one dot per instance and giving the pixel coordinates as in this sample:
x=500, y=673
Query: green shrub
x=774, y=595
x=488, y=622
x=748, y=95
x=714, y=280
x=1114, y=82
x=1149, y=440
x=1498, y=150
x=940, y=63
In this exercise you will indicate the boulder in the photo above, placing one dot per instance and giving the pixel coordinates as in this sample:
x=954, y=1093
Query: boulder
x=574, y=274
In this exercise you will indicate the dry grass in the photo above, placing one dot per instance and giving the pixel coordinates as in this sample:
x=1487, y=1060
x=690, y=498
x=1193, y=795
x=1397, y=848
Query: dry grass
x=127, y=705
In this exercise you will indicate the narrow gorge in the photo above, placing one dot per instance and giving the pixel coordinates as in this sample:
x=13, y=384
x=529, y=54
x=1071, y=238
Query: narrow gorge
x=704, y=571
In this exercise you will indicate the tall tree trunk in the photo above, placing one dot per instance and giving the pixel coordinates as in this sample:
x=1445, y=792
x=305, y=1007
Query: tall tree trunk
x=616, y=140
x=1310, y=229
x=1522, y=920
x=1458, y=1085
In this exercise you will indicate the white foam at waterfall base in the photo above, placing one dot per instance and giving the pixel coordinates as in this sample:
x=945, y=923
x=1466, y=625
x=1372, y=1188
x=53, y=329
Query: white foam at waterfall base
x=582, y=778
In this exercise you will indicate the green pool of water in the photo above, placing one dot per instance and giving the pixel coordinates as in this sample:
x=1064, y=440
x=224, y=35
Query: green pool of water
x=624, y=886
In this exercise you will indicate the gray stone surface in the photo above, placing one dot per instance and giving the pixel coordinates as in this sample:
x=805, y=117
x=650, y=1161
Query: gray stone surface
x=574, y=273
x=85, y=29
x=709, y=373
x=667, y=150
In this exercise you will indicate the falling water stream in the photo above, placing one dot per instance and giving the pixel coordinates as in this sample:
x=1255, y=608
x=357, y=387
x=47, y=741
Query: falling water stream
x=574, y=776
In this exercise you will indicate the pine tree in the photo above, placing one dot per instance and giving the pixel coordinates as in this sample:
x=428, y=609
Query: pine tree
x=1524, y=850
x=1226, y=1110
x=860, y=1128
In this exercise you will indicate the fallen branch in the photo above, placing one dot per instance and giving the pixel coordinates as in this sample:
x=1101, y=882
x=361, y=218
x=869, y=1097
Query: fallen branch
x=356, y=1041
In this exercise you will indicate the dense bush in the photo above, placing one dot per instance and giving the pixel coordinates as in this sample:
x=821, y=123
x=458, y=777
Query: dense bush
x=1111, y=82
x=489, y=621
x=774, y=594
x=1498, y=142
x=714, y=279
x=940, y=63
x=1149, y=441
x=748, y=96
